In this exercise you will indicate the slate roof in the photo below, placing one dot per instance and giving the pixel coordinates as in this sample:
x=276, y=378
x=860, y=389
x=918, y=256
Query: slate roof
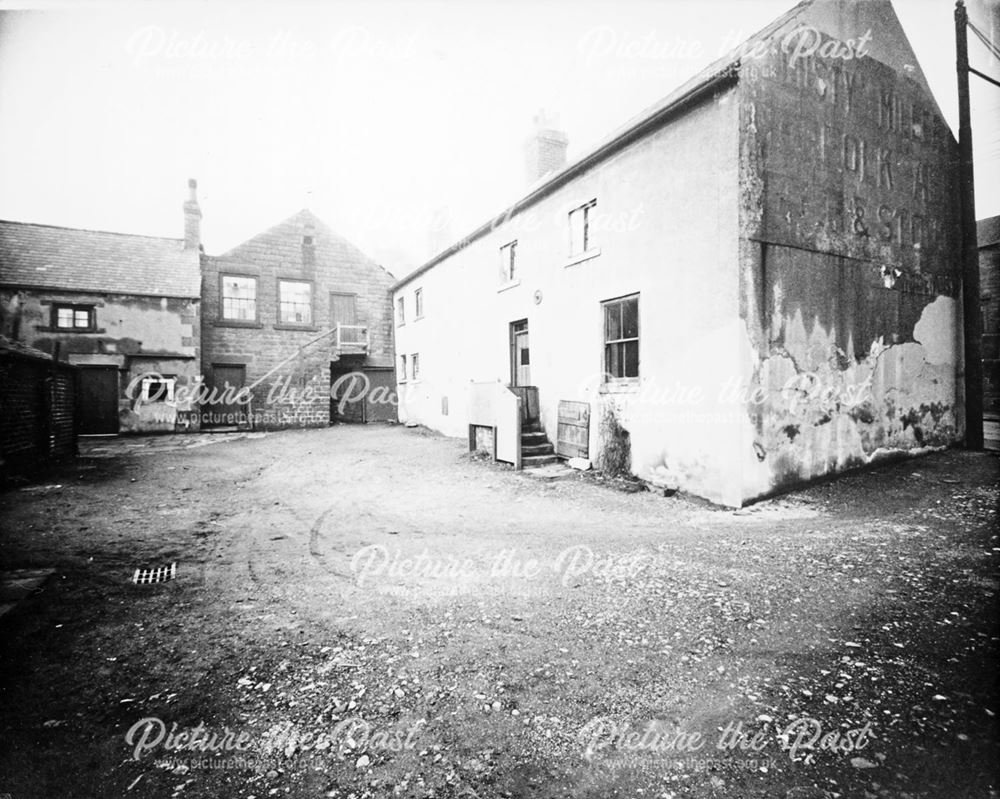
x=50, y=257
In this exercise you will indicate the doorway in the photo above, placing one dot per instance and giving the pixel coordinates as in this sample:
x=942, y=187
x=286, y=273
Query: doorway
x=520, y=354
x=99, y=400
x=365, y=394
x=224, y=408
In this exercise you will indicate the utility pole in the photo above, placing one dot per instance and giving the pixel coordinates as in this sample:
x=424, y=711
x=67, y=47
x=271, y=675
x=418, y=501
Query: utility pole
x=971, y=313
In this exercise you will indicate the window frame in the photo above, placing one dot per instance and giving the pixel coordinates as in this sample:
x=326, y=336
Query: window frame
x=280, y=322
x=608, y=379
x=589, y=248
x=401, y=369
x=585, y=211
x=415, y=367
x=74, y=309
x=508, y=264
x=418, y=303
x=400, y=311
x=236, y=321
x=147, y=380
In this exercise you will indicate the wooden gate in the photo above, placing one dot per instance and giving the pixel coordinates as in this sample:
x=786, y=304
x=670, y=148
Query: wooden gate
x=381, y=402
x=573, y=437
x=367, y=394
x=347, y=395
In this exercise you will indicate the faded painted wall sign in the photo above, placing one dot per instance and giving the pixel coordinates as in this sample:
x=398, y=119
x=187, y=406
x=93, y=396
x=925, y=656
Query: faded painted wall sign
x=876, y=157
x=848, y=180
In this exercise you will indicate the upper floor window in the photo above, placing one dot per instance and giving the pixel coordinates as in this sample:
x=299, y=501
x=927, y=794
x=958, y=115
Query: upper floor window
x=239, y=298
x=415, y=366
x=400, y=311
x=294, y=302
x=508, y=262
x=580, y=233
x=418, y=303
x=621, y=339
x=80, y=318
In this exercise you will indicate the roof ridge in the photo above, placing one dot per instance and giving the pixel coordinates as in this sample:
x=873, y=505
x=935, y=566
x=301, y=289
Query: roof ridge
x=90, y=230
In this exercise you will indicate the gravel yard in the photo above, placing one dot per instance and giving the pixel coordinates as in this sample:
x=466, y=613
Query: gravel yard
x=372, y=612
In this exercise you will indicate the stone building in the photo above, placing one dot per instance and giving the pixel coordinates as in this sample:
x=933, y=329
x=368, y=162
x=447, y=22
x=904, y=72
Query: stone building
x=751, y=285
x=169, y=339
x=294, y=318
x=123, y=308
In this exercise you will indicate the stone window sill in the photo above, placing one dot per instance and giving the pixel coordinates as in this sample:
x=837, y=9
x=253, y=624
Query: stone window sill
x=580, y=257
x=236, y=323
x=71, y=330
x=510, y=285
x=621, y=386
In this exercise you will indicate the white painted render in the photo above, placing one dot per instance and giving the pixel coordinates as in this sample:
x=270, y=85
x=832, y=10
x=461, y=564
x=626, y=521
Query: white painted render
x=666, y=227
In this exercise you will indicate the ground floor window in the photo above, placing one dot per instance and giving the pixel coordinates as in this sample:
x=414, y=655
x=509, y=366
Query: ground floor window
x=158, y=388
x=621, y=339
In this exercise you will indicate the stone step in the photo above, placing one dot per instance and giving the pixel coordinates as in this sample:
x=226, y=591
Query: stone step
x=534, y=461
x=544, y=448
x=552, y=471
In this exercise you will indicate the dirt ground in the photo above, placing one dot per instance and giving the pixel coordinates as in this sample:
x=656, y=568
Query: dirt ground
x=372, y=612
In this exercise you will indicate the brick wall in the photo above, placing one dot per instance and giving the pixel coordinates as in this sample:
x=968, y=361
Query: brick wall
x=290, y=376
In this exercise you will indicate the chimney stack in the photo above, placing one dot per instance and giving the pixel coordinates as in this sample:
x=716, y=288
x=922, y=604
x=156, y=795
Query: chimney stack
x=545, y=151
x=308, y=243
x=192, y=218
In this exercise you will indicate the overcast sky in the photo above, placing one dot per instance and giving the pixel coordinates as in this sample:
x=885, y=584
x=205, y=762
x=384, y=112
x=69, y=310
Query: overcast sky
x=378, y=116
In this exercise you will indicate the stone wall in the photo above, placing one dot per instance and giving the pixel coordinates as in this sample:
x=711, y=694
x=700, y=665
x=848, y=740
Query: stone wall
x=288, y=366
x=140, y=335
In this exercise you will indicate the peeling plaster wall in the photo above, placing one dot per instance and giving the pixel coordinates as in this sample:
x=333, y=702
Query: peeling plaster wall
x=850, y=342
x=138, y=334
